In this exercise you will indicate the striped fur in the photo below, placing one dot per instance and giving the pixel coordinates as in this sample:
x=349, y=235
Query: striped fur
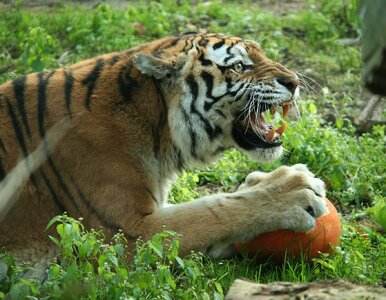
x=137, y=118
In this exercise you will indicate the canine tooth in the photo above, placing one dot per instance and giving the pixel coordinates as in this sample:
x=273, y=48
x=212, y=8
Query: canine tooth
x=285, y=110
x=281, y=129
x=273, y=110
x=271, y=134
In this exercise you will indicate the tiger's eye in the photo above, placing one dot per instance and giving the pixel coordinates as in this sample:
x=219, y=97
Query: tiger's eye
x=239, y=67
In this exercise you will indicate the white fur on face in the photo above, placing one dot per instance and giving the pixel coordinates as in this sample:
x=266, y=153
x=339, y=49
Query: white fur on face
x=265, y=155
x=274, y=94
x=226, y=56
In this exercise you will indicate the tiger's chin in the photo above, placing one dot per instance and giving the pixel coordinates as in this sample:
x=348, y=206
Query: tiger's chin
x=265, y=155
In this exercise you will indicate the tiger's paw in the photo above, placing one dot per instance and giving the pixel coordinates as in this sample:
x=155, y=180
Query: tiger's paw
x=288, y=198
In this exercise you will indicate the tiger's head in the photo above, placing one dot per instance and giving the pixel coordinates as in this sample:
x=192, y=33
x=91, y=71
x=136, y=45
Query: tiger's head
x=218, y=90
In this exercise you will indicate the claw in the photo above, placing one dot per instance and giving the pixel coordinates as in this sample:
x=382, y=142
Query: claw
x=285, y=110
x=281, y=129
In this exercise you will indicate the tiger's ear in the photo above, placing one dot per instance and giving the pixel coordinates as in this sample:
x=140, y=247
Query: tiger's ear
x=153, y=66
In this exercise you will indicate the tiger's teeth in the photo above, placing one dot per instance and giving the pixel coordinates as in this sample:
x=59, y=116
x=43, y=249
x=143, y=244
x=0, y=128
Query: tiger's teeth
x=285, y=110
x=271, y=134
x=272, y=110
x=281, y=129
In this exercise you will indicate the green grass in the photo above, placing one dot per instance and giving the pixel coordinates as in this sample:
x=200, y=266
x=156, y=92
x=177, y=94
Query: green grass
x=306, y=41
x=92, y=268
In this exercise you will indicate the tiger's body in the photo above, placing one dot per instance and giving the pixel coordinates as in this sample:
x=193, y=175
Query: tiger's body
x=136, y=120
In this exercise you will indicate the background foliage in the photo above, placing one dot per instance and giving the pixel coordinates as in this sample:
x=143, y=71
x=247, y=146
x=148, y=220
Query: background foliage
x=307, y=36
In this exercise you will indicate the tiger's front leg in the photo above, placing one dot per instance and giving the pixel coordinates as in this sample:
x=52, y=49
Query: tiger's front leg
x=287, y=198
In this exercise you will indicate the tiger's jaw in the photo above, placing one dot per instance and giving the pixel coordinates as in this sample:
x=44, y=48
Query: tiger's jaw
x=251, y=130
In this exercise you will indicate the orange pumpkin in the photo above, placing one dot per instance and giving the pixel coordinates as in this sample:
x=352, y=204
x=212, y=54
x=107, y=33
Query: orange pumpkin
x=282, y=243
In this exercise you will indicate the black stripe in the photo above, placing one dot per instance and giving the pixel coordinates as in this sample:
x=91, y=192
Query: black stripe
x=62, y=184
x=222, y=69
x=68, y=85
x=218, y=44
x=193, y=135
x=19, y=136
x=126, y=82
x=162, y=121
x=114, y=59
x=240, y=96
x=189, y=33
x=90, y=81
x=228, y=58
x=52, y=73
x=18, y=88
x=18, y=131
x=180, y=160
x=186, y=46
x=2, y=146
x=102, y=218
x=54, y=196
x=135, y=49
x=203, y=42
x=42, y=101
x=204, y=61
x=173, y=43
x=167, y=44
x=2, y=170
x=220, y=113
x=156, y=140
x=193, y=85
x=208, y=78
x=217, y=132
x=130, y=51
x=218, y=151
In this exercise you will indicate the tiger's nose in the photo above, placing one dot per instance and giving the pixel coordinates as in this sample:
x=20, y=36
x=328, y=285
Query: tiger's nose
x=291, y=83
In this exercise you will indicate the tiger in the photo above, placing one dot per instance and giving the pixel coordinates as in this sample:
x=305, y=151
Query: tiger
x=129, y=124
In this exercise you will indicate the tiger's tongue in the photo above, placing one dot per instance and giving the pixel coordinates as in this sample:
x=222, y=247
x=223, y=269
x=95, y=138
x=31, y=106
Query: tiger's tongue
x=260, y=126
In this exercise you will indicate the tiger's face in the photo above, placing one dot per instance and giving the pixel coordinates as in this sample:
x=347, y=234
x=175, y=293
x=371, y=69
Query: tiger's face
x=219, y=90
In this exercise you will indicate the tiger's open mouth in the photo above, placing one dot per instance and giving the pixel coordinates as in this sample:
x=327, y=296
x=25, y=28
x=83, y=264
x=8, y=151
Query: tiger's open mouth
x=251, y=130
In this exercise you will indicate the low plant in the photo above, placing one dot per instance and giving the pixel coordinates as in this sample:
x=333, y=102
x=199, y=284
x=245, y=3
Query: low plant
x=349, y=164
x=92, y=268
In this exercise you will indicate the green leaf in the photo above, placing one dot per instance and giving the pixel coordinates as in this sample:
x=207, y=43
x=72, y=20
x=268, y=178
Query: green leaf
x=54, y=239
x=217, y=296
x=37, y=65
x=157, y=248
x=312, y=108
x=219, y=288
x=378, y=212
x=119, y=249
x=60, y=230
x=114, y=260
x=180, y=262
x=53, y=220
x=339, y=123
x=170, y=280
